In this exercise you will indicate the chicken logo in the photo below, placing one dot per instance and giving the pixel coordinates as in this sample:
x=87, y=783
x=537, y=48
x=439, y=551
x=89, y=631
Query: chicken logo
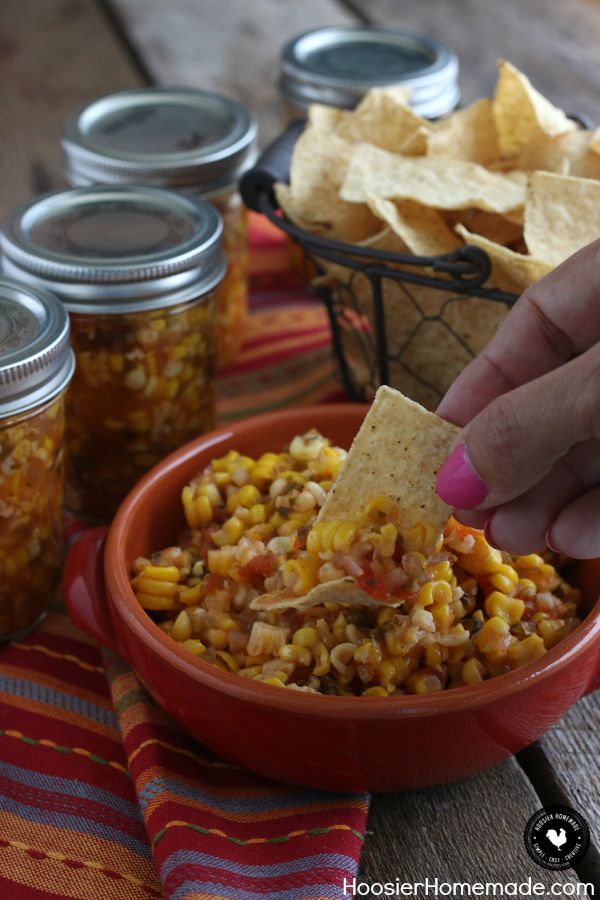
x=558, y=839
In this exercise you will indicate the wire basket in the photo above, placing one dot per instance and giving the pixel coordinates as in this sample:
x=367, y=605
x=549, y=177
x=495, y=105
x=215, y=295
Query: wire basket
x=412, y=322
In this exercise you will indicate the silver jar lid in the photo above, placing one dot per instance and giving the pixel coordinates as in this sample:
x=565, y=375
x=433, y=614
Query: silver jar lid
x=162, y=137
x=36, y=360
x=112, y=250
x=338, y=65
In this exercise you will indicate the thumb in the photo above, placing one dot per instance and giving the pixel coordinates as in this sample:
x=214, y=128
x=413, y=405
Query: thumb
x=519, y=436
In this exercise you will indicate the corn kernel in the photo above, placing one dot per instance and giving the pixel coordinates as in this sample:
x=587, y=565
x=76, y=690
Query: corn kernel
x=376, y=691
x=162, y=573
x=182, y=627
x=258, y=514
x=154, y=602
x=276, y=682
x=296, y=653
x=190, y=595
x=230, y=532
x=216, y=638
x=305, y=637
x=472, y=671
x=494, y=634
x=248, y=495
x=525, y=651
x=194, y=646
x=155, y=588
x=229, y=660
x=424, y=683
x=509, y=608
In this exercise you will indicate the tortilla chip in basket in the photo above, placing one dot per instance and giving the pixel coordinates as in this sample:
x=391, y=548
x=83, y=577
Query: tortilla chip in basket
x=468, y=134
x=513, y=272
x=562, y=215
x=432, y=181
x=521, y=113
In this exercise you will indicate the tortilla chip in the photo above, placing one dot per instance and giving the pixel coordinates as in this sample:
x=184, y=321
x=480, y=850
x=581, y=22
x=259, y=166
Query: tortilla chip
x=441, y=183
x=421, y=228
x=416, y=144
x=511, y=271
x=317, y=170
x=493, y=226
x=521, y=112
x=397, y=452
x=468, y=134
x=567, y=154
x=562, y=215
x=285, y=199
x=595, y=141
x=342, y=590
x=383, y=118
x=325, y=117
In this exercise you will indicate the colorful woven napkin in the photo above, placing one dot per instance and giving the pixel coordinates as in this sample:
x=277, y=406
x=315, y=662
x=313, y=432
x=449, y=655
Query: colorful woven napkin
x=101, y=794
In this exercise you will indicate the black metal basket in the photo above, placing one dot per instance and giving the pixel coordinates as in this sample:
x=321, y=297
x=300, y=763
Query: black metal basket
x=410, y=321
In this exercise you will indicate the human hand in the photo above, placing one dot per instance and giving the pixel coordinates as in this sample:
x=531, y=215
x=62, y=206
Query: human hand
x=526, y=466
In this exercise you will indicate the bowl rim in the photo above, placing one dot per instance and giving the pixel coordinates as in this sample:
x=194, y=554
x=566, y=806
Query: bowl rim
x=125, y=608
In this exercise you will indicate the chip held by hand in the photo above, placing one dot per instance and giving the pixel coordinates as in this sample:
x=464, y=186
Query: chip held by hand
x=397, y=453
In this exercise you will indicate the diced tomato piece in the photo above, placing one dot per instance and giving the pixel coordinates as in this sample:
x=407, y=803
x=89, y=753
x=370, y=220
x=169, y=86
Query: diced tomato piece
x=259, y=567
x=463, y=530
x=210, y=582
x=376, y=589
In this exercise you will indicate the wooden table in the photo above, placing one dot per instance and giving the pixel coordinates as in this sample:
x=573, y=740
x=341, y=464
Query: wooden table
x=56, y=54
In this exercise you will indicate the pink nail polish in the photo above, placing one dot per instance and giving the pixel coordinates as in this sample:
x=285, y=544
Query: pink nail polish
x=458, y=484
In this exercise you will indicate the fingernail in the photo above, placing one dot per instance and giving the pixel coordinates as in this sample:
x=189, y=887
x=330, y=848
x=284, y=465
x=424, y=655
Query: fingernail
x=549, y=542
x=487, y=533
x=457, y=483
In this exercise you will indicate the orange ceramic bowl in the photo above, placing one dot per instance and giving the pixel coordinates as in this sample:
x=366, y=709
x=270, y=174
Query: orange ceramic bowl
x=334, y=743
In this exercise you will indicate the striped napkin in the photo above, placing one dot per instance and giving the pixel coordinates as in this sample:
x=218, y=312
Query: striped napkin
x=101, y=794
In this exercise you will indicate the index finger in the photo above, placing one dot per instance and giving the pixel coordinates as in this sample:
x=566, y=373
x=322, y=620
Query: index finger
x=555, y=319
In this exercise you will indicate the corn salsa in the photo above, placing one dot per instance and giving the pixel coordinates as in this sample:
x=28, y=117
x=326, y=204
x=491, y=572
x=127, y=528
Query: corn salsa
x=31, y=483
x=143, y=387
x=439, y=610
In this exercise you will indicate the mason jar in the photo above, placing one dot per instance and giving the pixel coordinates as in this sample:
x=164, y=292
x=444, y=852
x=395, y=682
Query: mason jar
x=36, y=365
x=188, y=140
x=137, y=269
x=337, y=65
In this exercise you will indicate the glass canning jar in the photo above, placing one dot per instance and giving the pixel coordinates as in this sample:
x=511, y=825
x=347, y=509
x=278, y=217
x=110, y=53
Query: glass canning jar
x=36, y=365
x=137, y=268
x=338, y=65
x=188, y=140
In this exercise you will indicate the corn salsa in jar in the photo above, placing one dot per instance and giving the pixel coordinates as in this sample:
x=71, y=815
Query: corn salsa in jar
x=188, y=140
x=36, y=365
x=137, y=269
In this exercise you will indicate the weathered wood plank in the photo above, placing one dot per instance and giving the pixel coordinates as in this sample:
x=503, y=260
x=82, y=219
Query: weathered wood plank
x=54, y=55
x=573, y=749
x=228, y=47
x=556, y=44
x=468, y=831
